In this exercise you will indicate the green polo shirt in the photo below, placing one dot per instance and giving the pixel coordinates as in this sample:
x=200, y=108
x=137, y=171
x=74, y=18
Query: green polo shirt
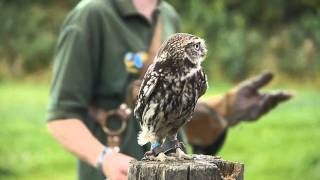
x=89, y=66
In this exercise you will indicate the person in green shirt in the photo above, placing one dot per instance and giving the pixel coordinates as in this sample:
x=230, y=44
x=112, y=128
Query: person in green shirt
x=96, y=39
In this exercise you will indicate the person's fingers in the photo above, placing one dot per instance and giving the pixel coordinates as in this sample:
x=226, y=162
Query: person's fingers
x=123, y=176
x=258, y=81
x=119, y=176
x=268, y=103
x=275, y=98
x=280, y=96
x=124, y=170
x=271, y=100
x=257, y=110
x=125, y=166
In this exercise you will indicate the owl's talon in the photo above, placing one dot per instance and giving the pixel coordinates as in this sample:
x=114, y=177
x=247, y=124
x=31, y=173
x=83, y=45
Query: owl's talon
x=181, y=155
x=169, y=150
x=148, y=155
x=162, y=157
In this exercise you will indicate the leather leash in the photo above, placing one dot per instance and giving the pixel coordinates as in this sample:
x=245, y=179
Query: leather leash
x=102, y=116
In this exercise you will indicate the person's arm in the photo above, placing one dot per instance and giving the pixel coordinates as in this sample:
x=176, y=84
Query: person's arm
x=74, y=136
x=213, y=115
x=75, y=71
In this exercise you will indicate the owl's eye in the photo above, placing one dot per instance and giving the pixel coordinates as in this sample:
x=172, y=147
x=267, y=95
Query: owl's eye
x=196, y=46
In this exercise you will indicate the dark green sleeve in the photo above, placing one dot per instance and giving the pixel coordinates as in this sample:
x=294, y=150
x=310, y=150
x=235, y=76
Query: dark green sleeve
x=73, y=73
x=71, y=85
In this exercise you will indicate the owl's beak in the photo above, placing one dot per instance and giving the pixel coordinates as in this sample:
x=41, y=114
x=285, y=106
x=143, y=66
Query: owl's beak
x=204, y=54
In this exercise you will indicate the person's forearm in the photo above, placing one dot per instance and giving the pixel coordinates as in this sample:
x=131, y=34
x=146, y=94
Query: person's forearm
x=217, y=103
x=76, y=138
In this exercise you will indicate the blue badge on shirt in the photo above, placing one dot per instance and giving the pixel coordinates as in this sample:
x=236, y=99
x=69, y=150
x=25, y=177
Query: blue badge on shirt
x=134, y=61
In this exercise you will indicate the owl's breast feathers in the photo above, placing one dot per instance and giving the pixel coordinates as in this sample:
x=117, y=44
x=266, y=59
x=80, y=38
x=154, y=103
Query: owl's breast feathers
x=169, y=91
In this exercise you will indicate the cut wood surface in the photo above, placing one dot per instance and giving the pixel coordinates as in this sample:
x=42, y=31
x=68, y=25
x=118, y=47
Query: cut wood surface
x=201, y=167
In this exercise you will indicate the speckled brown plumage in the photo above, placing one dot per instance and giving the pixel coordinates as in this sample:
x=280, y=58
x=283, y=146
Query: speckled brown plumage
x=171, y=88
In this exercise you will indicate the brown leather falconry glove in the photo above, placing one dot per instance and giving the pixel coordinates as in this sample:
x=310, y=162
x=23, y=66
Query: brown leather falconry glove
x=245, y=102
x=207, y=128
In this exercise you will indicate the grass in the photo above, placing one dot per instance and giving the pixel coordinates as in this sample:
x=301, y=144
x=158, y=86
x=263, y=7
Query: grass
x=283, y=145
x=27, y=151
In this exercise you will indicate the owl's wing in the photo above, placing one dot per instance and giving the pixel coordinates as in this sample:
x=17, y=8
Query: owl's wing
x=148, y=85
x=203, y=83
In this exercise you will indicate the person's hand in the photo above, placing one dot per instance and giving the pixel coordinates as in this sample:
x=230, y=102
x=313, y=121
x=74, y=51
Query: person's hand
x=116, y=166
x=246, y=103
x=214, y=114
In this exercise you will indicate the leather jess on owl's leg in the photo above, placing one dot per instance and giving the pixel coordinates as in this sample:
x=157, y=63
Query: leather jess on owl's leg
x=156, y=153
x=178, y=146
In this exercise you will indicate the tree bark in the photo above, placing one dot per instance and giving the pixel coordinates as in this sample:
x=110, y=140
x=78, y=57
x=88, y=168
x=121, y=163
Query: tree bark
x=201, y=167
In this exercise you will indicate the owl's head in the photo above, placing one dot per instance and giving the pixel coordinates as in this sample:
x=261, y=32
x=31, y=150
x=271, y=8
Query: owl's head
x=181, y=46
x=195, y=50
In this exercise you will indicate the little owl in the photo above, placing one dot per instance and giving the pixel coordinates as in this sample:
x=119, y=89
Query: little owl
x=168, y=94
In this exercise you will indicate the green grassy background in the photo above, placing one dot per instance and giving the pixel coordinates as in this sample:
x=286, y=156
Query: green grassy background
x=283, y=145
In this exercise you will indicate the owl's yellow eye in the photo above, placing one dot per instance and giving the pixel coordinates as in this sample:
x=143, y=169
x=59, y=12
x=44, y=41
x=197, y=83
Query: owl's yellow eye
x=196, y=46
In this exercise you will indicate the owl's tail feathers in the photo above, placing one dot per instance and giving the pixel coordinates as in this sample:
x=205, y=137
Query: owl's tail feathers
x=145, y=136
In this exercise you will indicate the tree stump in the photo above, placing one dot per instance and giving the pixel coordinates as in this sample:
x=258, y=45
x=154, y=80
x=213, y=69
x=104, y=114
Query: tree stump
x=201, y=167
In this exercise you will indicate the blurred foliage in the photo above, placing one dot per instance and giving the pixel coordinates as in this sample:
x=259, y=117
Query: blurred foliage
x=28, y=34
x=244, y=37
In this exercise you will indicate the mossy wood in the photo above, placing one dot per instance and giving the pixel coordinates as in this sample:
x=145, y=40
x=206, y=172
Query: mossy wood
x=202, y=167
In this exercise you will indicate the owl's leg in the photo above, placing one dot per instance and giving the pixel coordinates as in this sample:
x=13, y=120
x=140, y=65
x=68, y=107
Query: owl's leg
x=155, y=144
x=179, y=154
x=156, y=153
